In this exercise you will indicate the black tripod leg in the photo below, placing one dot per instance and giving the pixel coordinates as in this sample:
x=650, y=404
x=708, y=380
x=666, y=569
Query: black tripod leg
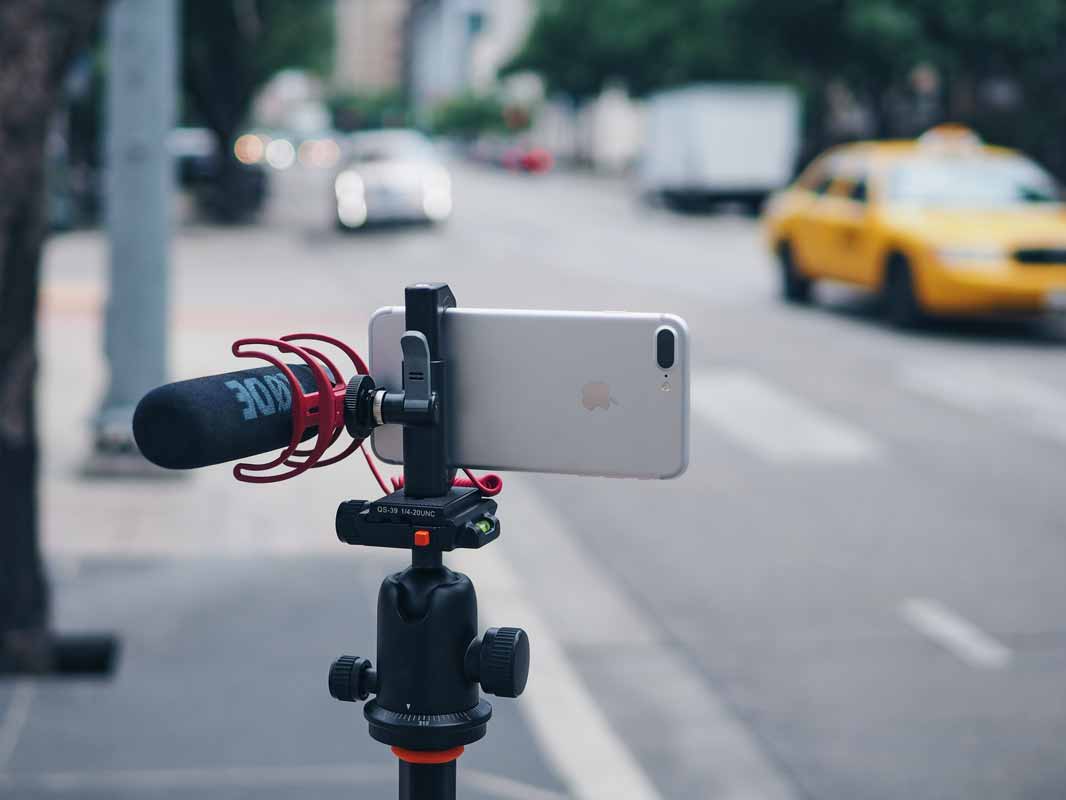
x=427, y=781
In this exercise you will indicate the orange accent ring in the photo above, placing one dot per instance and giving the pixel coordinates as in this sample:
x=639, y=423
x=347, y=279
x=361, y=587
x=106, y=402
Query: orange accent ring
x=427, y=756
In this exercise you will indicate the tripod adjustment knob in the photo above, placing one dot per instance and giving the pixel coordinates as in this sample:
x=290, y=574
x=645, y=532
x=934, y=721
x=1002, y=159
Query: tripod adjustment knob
x=499, y=661
x=352, y=678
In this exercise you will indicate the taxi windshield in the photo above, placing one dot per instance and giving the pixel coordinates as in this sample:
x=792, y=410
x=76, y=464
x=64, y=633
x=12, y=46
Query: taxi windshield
x=975, y=182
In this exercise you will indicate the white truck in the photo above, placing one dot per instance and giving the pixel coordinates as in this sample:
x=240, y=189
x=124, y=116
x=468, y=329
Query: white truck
x=715, y=142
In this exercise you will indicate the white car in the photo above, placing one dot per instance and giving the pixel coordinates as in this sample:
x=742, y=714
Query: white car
x=391, y=175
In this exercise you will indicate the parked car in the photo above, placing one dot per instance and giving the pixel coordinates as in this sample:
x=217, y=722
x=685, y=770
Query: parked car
x=939, y=225
x=226, y=187
x=511, y=154
x=710, y=143
x=524, y=158
x=391, y=175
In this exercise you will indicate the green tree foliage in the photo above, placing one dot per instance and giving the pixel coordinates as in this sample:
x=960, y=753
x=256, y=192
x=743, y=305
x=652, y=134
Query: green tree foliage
x=980, y=37
x=871, y=46
x=353, y=111
x=467, y=115
x=577, y=47
x=230, y=48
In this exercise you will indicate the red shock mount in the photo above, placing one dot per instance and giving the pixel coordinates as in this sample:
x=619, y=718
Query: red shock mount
x=322, y=410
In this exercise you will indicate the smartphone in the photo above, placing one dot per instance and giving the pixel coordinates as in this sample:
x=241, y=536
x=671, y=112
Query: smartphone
x=573, y=392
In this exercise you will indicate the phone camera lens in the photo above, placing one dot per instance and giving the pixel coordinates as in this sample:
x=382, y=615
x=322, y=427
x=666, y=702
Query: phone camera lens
x=664, y=348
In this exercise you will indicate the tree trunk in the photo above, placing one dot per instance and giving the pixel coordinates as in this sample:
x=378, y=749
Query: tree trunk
x=38, y=40
x=234, y=193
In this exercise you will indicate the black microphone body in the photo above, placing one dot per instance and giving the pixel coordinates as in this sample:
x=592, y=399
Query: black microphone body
x=219, y=418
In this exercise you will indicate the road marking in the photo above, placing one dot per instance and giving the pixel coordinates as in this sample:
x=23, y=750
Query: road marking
x=15, y=718
x=776, y=425
x=955, y=634
x=569, y=726
x=578, y=604
x=982, y=389
x=77, y=782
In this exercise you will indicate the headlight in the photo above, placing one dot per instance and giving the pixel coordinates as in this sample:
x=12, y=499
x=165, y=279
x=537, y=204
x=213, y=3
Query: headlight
x=436, y=182
x=973, y=257
x=280, y=154
x=249, y=149
x=437, y=194
x=348, y=184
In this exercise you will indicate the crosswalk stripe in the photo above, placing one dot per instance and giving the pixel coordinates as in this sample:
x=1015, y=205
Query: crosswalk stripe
x=14, y=720
x=954, y=633
x=1015, y=399
x=775, y=424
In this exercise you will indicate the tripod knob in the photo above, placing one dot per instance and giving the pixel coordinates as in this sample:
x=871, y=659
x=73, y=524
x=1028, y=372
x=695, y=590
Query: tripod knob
x=499, y=661
x=351, y=678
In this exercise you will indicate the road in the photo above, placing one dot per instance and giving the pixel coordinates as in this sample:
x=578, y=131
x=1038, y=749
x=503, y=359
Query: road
x=856, y=590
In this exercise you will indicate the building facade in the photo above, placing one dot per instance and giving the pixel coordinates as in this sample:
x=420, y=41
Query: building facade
x=369, y=53
x=459, y=45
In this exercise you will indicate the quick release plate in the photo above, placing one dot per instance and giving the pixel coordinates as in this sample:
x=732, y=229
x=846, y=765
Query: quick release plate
x=461, y=518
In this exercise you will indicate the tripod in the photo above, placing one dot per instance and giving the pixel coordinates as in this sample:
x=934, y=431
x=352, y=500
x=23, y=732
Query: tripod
x=430, y=661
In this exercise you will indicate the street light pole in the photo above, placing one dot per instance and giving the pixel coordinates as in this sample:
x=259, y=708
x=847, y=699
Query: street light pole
x=140, y=114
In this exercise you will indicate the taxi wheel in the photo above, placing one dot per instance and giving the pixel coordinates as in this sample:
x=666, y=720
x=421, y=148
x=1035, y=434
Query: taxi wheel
x=900, y=302
x=795, y=288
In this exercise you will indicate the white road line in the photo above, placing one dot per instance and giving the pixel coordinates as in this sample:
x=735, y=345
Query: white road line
x=505, y=788
x=577, y=604
x=982, y=389
x=776, y=425
x=956, y=635
x=570, y=728
x=18, y=713
x=77, y=782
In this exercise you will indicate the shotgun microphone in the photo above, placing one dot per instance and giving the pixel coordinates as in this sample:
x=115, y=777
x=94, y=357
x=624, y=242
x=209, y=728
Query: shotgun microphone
x=204, y=421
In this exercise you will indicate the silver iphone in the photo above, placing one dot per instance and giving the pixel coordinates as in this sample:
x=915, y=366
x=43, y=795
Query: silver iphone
x=576, y=392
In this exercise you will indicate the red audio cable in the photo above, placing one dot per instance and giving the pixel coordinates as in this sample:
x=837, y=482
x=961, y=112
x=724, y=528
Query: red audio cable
x=489, y=485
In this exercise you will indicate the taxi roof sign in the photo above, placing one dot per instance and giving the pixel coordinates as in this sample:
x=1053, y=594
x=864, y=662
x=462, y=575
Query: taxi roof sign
x=950, y=136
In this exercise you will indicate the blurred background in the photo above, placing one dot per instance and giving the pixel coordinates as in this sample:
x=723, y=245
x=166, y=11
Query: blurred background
x=855, y=591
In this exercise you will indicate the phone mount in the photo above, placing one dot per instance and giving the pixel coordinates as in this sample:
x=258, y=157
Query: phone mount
x=431, y=663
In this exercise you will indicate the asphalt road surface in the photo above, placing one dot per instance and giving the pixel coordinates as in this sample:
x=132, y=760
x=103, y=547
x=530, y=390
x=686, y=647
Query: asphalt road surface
x=856, y=591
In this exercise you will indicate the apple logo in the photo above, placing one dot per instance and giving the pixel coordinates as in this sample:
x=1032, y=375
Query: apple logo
x=597, y=394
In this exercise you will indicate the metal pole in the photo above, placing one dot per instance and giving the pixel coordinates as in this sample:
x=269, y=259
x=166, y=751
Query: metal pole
x=140, y=113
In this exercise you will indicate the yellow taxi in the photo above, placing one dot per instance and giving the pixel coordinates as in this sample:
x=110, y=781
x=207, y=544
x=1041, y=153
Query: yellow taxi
x=943, y=224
